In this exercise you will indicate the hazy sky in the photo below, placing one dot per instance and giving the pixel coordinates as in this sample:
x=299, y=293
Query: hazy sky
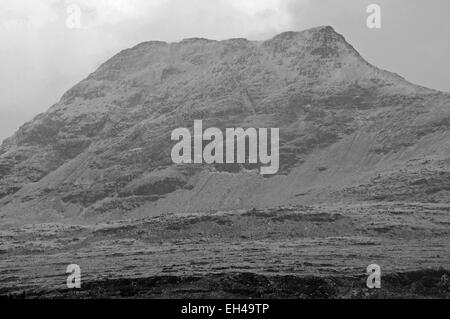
x=41, y=57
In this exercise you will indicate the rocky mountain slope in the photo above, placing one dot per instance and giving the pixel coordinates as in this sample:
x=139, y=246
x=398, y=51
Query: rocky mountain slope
x=349, y=132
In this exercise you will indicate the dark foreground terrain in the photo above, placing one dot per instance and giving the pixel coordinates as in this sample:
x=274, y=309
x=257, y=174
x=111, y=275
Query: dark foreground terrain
x=283, y=252
x=415, y=284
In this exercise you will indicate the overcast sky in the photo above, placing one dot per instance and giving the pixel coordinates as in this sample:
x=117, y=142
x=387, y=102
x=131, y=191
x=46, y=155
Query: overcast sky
x=40, y=57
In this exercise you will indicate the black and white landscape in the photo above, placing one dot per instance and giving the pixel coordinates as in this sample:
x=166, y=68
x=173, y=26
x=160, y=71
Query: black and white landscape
x=364, y=178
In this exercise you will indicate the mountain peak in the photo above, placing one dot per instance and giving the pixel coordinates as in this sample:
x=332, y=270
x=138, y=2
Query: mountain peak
x=106, y=144
x=289, y=35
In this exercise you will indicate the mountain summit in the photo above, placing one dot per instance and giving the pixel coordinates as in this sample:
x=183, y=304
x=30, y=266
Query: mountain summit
x=349, y=132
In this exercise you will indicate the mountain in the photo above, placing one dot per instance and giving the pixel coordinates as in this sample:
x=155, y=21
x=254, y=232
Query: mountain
x=349, y=133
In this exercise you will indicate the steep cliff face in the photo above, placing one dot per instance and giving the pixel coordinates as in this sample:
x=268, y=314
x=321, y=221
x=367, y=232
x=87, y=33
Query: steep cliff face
x=348, y=131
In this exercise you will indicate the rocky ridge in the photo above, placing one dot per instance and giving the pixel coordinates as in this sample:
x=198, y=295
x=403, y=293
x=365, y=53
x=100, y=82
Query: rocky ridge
x=349, y=132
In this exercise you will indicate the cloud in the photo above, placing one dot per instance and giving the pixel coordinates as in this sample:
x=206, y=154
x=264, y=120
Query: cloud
x=40, y=57
x=174, y=19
